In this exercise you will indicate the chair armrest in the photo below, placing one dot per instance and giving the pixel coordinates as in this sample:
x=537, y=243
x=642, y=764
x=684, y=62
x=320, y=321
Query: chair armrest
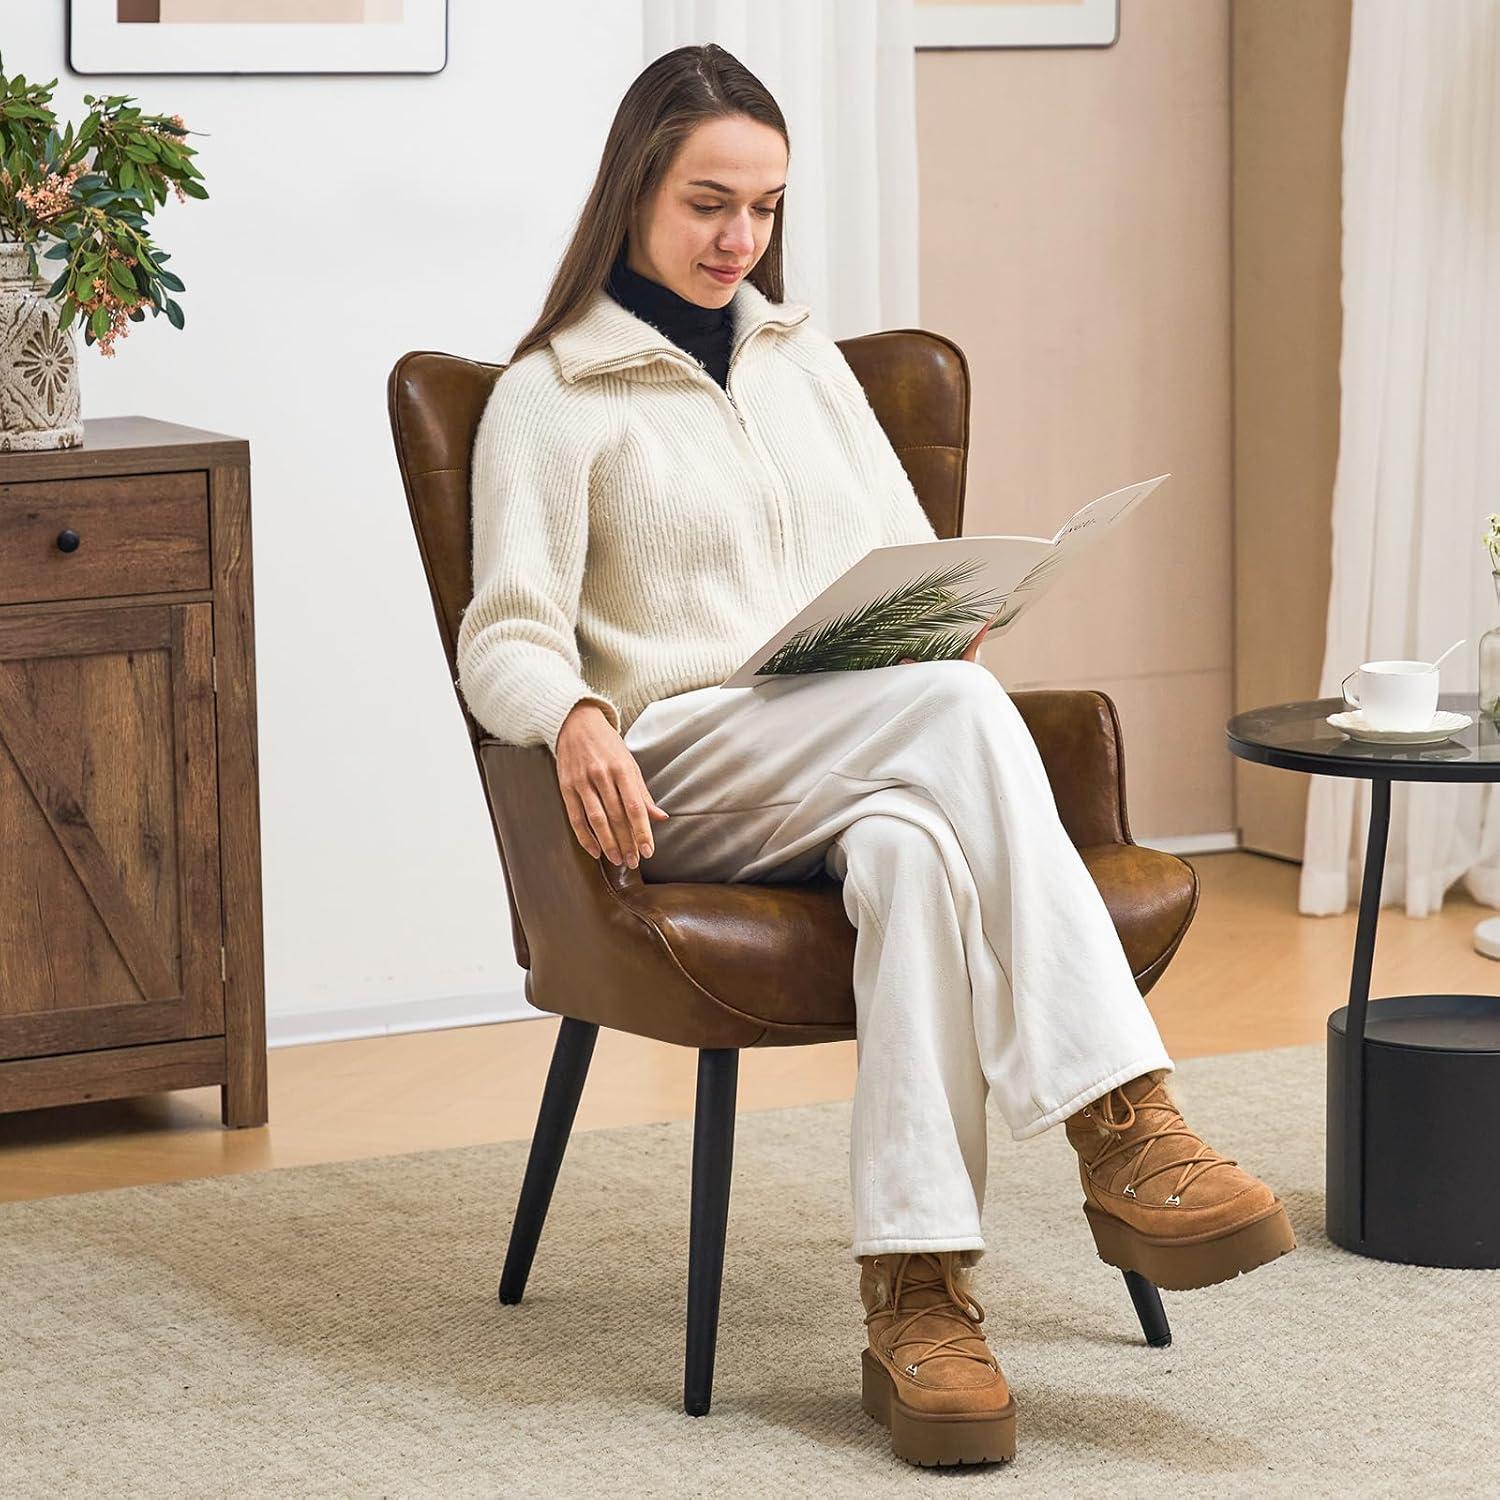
x=602, y=945
x=527, y=812
x=1077, y=733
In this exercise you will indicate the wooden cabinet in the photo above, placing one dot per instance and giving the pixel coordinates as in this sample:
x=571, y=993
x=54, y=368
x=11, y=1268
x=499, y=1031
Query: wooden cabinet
x=130, y=897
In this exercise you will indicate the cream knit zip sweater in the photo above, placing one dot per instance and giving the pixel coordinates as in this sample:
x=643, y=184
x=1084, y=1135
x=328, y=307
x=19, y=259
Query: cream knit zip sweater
x=638, y=532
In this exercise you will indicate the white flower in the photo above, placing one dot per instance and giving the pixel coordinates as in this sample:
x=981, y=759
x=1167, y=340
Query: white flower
x=1492, y=540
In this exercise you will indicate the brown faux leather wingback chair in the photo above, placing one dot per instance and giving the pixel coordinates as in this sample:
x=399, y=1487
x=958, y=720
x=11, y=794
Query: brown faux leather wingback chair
x=724, y=966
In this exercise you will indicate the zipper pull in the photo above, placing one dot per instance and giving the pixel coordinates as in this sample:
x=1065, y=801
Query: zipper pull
x=735, y=404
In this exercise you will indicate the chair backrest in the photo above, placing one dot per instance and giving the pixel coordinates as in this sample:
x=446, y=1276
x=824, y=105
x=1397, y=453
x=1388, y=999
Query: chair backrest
x=917, y=383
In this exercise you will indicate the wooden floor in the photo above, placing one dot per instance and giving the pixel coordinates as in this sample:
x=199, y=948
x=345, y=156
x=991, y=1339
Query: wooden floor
x=1251, y=973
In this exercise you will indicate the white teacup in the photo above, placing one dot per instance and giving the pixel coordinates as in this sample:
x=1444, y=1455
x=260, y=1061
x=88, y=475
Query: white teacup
x=1395, y=694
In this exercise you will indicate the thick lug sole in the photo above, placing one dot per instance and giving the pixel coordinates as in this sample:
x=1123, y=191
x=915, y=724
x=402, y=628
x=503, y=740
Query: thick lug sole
x=1178, y=1266
x=921, y=1438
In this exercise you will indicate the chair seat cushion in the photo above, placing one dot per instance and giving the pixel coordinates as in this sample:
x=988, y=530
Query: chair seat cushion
x=781, y=957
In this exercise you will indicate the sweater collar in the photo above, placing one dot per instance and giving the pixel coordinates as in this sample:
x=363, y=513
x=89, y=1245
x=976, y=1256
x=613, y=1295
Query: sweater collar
x=607, y=336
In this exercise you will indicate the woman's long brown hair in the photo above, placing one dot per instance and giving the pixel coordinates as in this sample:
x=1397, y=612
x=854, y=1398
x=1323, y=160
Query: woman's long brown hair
x=670, y=98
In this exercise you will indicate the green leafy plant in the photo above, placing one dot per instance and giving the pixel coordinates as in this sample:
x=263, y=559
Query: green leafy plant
x=91, y=190
x=924, y=619
x=1492, y=541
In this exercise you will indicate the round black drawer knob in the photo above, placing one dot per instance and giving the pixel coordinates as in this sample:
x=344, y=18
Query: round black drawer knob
x=67, y=541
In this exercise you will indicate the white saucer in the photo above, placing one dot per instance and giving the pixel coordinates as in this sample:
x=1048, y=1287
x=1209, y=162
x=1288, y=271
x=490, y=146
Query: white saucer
x=1444, y=725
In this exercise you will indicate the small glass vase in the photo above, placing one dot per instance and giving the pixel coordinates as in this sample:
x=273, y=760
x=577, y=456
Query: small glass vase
x=1489, y=665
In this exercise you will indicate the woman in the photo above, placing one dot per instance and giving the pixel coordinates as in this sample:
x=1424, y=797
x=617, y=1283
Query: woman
x=673, y=464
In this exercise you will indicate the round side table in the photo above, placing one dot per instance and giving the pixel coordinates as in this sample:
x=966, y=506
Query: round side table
x=1414, y=1081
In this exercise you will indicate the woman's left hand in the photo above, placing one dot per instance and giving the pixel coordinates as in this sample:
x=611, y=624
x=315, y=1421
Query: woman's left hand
x=970, y=654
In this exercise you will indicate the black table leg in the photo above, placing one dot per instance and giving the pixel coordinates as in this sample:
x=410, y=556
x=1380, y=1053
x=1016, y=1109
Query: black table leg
x=1353, y=1163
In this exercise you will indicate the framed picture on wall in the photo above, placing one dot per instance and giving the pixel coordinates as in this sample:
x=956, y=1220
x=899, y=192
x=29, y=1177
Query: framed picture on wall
x=943, y=25
x=257, y=36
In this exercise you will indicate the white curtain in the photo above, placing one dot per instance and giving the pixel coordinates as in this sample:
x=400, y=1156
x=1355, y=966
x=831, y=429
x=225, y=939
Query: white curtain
x=843, y=72
x=1419, y=443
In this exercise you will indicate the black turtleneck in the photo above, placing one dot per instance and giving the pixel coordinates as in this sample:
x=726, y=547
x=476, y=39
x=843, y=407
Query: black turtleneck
x=704, y=332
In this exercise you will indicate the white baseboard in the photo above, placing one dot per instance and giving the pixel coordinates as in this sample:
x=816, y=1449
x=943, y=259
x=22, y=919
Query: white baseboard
x=1192, y=843
x=436, y=1013
x=442, y=1012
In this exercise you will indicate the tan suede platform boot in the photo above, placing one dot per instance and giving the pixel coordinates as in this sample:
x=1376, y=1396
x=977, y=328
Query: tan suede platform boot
x=1161, y=1202
x=928, y=1374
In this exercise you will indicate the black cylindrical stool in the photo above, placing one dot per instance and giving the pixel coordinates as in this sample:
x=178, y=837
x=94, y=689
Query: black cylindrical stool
x=1432, y=1098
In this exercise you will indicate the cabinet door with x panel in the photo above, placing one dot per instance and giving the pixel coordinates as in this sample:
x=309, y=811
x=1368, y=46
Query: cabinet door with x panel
x=109, y=823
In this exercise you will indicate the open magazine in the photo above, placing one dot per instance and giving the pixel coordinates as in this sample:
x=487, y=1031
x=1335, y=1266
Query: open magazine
x=928, y=600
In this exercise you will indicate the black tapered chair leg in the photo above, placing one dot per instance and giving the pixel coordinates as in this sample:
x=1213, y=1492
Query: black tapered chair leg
x=1148, y=1309
x=570, y=1066
x=713, y=1161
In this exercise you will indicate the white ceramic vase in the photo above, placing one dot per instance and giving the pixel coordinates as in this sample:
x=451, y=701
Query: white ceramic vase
x=39, y=400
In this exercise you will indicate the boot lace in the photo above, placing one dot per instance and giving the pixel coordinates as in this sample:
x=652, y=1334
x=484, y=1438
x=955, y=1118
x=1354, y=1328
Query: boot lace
x=1204, y=1157
x=962, y=1303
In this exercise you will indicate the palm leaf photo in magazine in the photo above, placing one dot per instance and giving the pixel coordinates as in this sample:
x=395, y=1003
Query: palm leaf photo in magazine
x=915, y=601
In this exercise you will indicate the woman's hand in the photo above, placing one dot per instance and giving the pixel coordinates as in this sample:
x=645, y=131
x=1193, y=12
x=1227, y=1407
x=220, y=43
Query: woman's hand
x=971, y=652
x=603, y=789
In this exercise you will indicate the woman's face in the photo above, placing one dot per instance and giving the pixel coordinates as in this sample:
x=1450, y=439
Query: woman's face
x=714, y=208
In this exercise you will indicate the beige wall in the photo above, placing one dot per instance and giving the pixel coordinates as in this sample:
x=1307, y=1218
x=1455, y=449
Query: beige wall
x=1290, y=60
x=1076, y=243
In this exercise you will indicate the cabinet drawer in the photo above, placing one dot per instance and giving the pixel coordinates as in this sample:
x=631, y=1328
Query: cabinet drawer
x=92, y=538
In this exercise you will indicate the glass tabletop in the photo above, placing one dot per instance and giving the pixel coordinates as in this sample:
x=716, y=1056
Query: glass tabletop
x=1298, y=737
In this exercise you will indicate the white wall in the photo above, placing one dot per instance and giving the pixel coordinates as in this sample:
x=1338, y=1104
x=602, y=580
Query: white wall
x=352, y=219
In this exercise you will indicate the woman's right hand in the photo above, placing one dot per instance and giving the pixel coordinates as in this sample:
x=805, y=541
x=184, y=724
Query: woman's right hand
x=606, y=796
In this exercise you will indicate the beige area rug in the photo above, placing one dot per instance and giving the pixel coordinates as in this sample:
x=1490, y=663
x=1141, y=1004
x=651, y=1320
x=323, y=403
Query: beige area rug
x=335, y=1330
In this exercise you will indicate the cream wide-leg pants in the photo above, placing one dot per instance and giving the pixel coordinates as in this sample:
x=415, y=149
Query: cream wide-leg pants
x=985, y=959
